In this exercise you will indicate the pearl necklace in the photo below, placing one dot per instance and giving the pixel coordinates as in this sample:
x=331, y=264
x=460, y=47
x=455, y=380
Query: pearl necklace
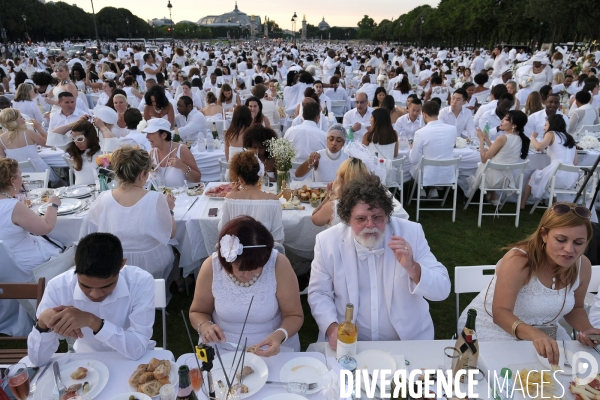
x=8, y=196
x=244, y=284
x=331, y=157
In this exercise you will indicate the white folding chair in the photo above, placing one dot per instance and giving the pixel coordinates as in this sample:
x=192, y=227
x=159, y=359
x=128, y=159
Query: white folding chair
x=554, y=190
x=395, y=177
x=400, y=104
x=27, y=166
x=56, y=265
x=338, y=107
x=224, y=167
x=471, y=279
x=418, y=184
x=512, y=169
x=295, y=166
x=133, y=101
x=38, y=176
x=71, y=166
x=160, y=302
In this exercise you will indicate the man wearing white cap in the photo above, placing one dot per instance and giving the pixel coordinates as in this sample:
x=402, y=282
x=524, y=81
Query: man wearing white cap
x=505, y=76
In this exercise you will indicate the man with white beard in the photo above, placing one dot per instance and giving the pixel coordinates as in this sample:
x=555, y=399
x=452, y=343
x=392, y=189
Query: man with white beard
x=379, y=263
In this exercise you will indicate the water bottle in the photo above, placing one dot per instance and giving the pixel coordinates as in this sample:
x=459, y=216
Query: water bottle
x=201, y=145
x=350, y=136
x=506, y=384
x=210, y=144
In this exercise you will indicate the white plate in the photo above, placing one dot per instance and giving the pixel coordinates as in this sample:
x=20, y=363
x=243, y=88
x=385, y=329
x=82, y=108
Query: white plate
x=173, y=377
x=77, y=191
x=254, y=381
x=67, y=206
x=285, y=396
x=375, y=359
x=97, y=377
x=137, y=395
x=305, y=370
x=561, y=361
x=39, y=191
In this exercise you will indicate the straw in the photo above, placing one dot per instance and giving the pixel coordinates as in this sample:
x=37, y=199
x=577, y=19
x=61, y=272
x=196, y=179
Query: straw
x=191, y=341
x=242, y=334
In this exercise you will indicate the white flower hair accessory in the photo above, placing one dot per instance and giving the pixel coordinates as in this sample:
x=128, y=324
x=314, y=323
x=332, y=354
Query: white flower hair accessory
x=142, y=125
x=261, y=170
x=230, y=247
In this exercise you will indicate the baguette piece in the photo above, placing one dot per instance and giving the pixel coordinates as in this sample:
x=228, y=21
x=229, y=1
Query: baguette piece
x=167, y=365
x=79, y=373
x=146, y=377
x=164, y=380
x=161, y=372
x=149, y=388
x=152, y=365
x=134, y=378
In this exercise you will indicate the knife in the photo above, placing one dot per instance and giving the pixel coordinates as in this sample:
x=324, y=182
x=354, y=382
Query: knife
x=194, y=202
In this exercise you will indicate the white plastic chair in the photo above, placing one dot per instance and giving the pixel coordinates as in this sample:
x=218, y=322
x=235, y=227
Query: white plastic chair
x=38, y=176
x=554, y=190
x=338, y=107
x=160, y=302
x=397, y=180
x=71, y=166
x=56, y=265
x=471, y=279
x=224, y=167
x=513, y=169
x=295, y=166
x=27, y=165
x=418, y=184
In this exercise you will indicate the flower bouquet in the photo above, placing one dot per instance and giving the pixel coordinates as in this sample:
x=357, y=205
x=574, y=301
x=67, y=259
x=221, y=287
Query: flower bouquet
x=588, y=142
x=461, y=143
x=282, y=150
x=105, y=175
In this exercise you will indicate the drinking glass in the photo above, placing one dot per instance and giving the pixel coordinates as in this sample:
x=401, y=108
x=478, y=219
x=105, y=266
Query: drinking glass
x=451, y=355
x=18, y=380
x=167, y=392
x=195, y=374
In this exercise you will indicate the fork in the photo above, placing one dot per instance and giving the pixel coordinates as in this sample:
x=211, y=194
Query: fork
x=60, y=386
x=295, y=387
x=566, y=362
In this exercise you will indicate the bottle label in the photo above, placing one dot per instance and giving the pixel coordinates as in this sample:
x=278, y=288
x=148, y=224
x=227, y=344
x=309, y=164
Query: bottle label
x=345, y=349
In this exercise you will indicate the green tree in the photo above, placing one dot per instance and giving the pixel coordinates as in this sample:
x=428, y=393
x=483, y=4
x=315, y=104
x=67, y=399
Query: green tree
x=366, y=26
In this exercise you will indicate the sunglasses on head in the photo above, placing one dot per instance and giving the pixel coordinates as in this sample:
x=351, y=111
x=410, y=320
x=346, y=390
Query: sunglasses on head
x=562, y=209
x=78, y=139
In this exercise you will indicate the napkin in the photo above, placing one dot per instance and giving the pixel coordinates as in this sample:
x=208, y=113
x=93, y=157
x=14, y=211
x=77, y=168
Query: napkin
x=331, y=384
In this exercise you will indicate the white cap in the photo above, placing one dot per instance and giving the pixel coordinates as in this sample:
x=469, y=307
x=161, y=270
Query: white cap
x=106, y=114
x=157, y=124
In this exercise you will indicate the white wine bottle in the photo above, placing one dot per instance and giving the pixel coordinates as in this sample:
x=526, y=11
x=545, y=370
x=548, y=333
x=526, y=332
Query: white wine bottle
x=347, y=335
x=467, y=346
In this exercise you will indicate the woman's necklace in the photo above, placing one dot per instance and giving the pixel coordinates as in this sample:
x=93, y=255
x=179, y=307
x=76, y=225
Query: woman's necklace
x=8, y=196
x=339, y=154
x=157, y=110
x=244, y=284
x=65, y=82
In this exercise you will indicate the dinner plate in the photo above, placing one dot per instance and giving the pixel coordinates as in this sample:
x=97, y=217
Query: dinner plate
x=173, y=377
x=77, y=191
x=285, y=396
x=97, y=377
x=305, y=370
x=38, y=192
x=375, y=359
x=561, y=361
x=214, y=197
x=67, y=206
x=254, y=381
x=137, y=395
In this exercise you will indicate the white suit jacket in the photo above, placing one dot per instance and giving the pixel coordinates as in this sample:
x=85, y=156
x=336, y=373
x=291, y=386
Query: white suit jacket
x=434, y=141
x=334, y=280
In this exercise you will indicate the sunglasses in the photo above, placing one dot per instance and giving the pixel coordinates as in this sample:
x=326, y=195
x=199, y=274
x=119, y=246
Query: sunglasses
x=562, y=209
x=78, y=139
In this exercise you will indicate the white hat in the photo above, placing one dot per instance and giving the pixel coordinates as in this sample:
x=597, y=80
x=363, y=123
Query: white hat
x=505, y=70
x=539, y=56
x=106, y=114
x=157, y=124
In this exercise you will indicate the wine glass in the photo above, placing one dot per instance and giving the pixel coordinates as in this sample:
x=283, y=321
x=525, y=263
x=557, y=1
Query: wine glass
x=18, y=380
x=195, y=373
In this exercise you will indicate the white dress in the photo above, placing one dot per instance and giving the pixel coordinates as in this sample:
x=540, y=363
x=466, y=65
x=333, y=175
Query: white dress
x=229, y=106
x=328, y=167
x=267, y=212
x=540, y=179
x=231, y=304
x=55, y=92
x=168, y=176
x=535, y=305
x=144, y=230
x=86, y=175
x=510, y=153
x=382, y=150
x=29, y=151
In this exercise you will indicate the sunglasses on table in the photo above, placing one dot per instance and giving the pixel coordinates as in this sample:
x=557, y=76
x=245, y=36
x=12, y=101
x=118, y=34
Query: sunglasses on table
x=78, y=139
x=562, y=209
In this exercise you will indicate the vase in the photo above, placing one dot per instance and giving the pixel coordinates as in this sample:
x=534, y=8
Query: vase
x=282, y=176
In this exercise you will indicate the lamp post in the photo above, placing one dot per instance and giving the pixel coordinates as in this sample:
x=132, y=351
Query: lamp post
x=421, y=32
x=294, y=18
x=541, y=27
x=400, y=32
x=95, y=26
x=26, y=30
x=128, y=31
x=170, y=6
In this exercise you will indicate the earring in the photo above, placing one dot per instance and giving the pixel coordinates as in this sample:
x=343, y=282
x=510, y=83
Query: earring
x=513, y=129
x=544, y=245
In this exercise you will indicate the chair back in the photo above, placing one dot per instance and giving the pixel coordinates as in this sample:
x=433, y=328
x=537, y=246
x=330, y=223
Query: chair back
x=27, y=166
x=471, y=279
x=38, y=176
x=160, y=302
x=451, y=162
x=71, y=165
x=224, y=168
x=593, y=129
x=338, y=107
x=133, y=101
x=507, y=167
x=395, y=175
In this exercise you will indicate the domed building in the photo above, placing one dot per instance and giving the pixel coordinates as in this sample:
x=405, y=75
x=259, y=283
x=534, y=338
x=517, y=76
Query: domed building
x=323, y=25
x=234, y=18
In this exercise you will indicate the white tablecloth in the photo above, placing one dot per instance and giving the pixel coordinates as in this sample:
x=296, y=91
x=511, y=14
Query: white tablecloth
x=53, y=157
x=274, y=364
x=119, y=367
x=208, y=162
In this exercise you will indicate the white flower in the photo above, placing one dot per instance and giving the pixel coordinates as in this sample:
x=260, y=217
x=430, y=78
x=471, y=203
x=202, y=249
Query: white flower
x=142, y=125
x=230, y=247
x=282, y=150
x=588, y=142
x=461, y=143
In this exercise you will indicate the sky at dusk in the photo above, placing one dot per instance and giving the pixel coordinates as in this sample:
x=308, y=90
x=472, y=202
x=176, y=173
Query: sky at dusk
x=336, y=12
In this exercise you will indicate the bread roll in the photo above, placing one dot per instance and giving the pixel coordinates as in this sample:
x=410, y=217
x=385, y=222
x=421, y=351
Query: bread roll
x=150, y=388
x=164, y=381
x=135, y=377
x=146, y=377
x=161, y=372
x=152, y=365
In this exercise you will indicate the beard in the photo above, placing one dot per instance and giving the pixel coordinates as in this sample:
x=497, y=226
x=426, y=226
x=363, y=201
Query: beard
x=369, y=237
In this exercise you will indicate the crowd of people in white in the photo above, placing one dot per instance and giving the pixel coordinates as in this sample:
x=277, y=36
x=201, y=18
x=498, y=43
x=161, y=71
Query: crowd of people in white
x=386, y=98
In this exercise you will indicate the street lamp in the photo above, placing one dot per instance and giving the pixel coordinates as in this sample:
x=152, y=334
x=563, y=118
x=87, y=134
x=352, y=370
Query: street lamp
x=169, y=6
x=128, y=31
x=541, y=27
x=95, y=26
x=400, y=32
x=294, y=18
x=421, y=31
x=26, y=30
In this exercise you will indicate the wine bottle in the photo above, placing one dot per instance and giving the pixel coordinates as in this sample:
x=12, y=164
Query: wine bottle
x=347, y=335
x=176, y=137
x=215, y=133
x=467, y=346
x=185, y=391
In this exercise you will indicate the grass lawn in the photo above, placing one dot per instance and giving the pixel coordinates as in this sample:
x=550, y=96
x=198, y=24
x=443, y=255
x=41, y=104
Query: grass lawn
x=458, y=243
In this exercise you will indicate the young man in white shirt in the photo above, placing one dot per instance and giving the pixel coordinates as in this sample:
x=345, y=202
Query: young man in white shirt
x=455, y=114
x=62, y=121
x=410, y=122
x=104, y=304
x=493, y=118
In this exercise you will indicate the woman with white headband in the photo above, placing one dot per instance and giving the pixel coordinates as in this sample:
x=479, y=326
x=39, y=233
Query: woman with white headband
x=246, y=272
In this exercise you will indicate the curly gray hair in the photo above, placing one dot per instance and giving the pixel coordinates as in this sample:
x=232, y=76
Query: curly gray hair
x=368, y=190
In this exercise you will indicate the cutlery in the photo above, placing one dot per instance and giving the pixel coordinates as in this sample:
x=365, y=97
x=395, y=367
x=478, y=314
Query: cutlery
x=309, y=386
x=34, y=385
x=60, y=387
x=376, y=385
x=596, y=350
x=567, y=364
x=191, y=205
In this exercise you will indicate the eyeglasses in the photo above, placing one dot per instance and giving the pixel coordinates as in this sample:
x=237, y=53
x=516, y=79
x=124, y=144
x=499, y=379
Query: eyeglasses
x=361, y=101
x=376, y=219
x=562, y=209
x=78, y=139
